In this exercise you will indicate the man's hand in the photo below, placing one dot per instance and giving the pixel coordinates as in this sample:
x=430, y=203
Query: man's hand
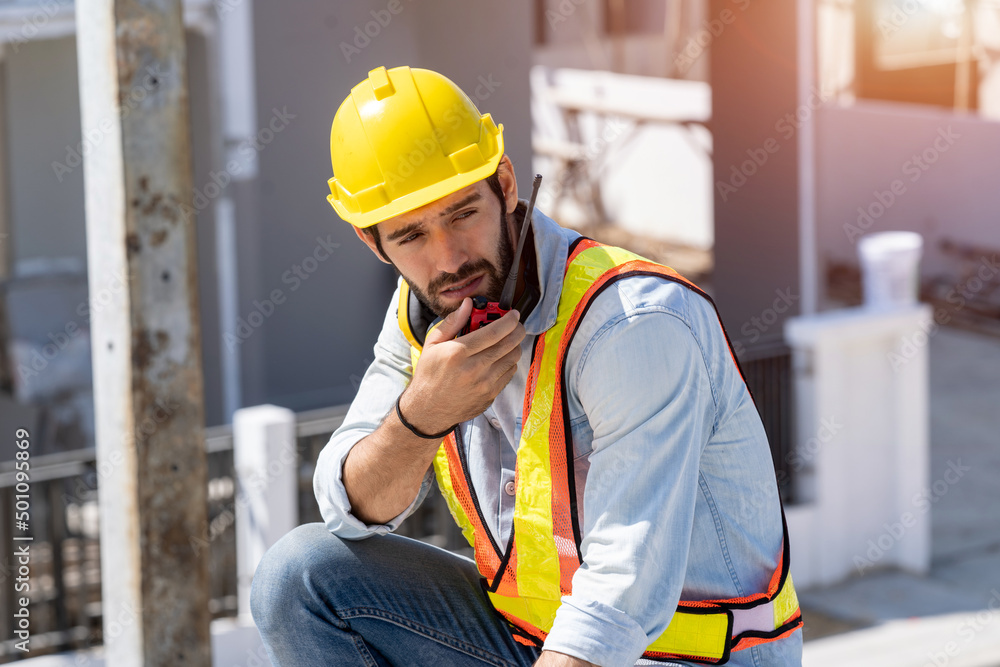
x=455, y=381
x=556, y=659
x=458, y=378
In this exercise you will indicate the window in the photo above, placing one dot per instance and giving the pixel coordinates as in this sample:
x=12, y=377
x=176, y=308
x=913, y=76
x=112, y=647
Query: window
x=634, y=17
x=920, y=51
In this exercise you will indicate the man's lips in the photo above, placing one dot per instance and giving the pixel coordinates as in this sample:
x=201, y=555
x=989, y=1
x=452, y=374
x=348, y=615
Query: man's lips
x=463, y=289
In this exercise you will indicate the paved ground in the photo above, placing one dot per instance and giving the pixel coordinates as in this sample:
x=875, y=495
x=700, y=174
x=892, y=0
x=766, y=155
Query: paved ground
x=952, y=616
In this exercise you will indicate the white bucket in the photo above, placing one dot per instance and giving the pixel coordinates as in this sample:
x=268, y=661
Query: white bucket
x=890, y=269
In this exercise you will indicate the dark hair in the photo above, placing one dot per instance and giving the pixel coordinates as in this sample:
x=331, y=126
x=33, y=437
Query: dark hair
x=493, y=180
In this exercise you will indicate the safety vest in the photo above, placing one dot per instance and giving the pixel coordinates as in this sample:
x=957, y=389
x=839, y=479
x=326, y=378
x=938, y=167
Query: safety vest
x=526, y=579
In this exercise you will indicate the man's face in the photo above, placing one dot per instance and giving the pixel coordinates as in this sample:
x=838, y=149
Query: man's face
x=455, y=247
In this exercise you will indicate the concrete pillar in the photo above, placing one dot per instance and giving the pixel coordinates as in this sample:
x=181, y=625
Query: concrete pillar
x=148, y=391
x=267, y=487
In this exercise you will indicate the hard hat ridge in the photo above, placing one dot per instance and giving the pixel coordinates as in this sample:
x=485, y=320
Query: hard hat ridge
x=404, y=138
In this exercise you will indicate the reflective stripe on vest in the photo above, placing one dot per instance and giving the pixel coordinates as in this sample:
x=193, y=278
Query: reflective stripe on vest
x=526, y=578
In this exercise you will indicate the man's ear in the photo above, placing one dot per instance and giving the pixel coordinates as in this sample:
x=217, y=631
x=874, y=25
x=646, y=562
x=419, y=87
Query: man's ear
x=369, y=241
x=508, y=182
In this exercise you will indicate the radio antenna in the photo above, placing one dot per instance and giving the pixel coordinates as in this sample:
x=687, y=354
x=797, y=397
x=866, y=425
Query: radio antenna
x=507, y=295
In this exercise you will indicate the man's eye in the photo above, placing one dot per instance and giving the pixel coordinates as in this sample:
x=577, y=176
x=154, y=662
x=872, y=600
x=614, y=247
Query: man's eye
x=411, y=237
x=462, y=216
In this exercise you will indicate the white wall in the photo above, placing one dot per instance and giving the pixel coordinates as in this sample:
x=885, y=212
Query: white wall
x=43, y=124
x=863, y=149
x=46, y=182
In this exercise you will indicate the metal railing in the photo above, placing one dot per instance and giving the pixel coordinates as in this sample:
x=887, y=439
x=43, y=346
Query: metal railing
x=65, y=570
x=65, y=573
x=431, y=522
x=65, y=559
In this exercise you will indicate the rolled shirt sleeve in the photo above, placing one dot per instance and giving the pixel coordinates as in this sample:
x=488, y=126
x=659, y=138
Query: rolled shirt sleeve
x=643, y=382
x=381, y=385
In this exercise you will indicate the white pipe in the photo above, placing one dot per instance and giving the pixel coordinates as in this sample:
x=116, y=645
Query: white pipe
x=809, y=268
x=238, y=90
x=234, y=118
x=228, y=288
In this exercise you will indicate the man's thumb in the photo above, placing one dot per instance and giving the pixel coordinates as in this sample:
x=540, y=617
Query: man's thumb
x=451, y=325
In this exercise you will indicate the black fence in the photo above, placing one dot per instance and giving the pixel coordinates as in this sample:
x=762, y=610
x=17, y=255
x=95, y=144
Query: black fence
x=768, y=372
x=65, y=567
x=65, y=595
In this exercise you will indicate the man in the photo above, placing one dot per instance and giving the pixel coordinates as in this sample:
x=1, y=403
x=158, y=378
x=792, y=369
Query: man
x=600, y=448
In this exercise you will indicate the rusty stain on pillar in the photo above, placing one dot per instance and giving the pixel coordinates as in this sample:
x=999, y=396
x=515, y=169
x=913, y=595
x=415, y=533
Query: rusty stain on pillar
x=145, y=332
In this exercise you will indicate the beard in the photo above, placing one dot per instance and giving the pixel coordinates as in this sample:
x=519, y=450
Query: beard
x=491, y=287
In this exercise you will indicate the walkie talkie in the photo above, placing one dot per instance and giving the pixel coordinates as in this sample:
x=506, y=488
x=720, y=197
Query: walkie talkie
x=483, y=311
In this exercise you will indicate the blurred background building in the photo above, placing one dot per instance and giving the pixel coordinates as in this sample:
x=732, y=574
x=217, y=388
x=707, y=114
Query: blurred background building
x=748, y=144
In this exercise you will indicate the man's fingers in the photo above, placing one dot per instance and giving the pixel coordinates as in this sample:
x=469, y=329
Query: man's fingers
x=491, y=334
x=502, y=370
x=504, y=378
x=510, y=342
x=451, y=325
x=511, y=358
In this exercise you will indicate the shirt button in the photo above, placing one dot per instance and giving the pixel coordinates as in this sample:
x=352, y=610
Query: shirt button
x=495, y=422
x=509, y=488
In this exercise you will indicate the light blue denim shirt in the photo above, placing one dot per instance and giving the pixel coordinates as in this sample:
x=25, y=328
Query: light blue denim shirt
x=674, y=475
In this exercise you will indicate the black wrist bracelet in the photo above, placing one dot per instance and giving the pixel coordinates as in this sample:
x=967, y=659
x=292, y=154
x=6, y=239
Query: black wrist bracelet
x=414, y=430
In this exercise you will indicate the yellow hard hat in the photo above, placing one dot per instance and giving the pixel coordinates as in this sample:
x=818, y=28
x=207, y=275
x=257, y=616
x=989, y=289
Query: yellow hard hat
x=404, y=138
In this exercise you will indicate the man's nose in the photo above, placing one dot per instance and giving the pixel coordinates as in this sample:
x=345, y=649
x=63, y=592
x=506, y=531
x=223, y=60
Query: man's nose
x=449, y=253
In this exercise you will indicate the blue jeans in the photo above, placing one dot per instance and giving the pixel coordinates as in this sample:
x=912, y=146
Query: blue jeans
x=386, y=600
